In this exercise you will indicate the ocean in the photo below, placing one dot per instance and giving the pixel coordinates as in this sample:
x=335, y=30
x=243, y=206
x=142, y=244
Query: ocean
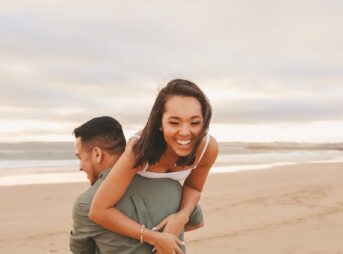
x=55, y=162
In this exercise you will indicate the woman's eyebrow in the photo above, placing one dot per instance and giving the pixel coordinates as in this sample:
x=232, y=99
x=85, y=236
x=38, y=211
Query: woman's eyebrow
x=174, y=118
x=178, y=118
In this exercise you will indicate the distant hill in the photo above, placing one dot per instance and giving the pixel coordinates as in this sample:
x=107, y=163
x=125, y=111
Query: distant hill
x=241, y=147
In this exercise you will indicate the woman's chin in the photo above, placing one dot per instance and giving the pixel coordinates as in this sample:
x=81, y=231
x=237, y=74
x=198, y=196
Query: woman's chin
x=182, y=152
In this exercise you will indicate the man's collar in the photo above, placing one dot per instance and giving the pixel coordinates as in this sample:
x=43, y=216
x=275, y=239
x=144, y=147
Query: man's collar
x=104, y=173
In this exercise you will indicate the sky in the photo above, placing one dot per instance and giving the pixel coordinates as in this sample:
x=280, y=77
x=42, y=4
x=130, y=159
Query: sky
x=272, y=70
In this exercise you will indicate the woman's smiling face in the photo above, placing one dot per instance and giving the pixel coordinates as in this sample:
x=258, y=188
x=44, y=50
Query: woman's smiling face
x=182, y=123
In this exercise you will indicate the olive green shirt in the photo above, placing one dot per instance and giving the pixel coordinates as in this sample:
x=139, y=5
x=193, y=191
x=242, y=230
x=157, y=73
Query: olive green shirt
x=146, y=201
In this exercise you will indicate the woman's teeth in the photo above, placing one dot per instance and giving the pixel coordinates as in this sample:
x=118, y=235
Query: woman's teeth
x=183, y=142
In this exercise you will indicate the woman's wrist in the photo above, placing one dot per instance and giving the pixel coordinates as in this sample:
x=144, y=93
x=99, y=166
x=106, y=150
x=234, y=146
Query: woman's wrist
x=150, y=236
x=184, y=216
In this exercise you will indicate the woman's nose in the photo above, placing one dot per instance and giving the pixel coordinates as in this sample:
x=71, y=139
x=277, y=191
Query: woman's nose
x=184, y=131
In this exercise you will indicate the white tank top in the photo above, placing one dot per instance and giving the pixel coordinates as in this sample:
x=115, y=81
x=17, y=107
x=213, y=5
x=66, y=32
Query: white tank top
x=179, y=175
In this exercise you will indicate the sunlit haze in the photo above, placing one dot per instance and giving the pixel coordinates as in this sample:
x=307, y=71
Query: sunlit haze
x=273, y=71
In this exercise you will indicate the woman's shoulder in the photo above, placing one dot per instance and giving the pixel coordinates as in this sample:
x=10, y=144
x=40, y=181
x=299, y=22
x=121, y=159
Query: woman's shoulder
x=210, y=149
x=213, y=141
x=208, y=143
x=135, y=136
x=133, y=139
x=129, y=149
x=128, y=152
x=213, y=145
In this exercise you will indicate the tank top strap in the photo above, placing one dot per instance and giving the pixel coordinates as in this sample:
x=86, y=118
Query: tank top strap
x=203, y=150
x=205, y=147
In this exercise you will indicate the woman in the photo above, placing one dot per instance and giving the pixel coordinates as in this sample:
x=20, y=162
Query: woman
x=173, y=144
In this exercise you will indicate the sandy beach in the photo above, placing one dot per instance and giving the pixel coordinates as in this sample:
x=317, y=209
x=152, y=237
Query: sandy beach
x=287, y=209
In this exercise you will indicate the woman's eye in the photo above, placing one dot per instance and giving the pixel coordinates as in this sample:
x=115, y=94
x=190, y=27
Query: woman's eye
x=195, y=123
x=173, y=123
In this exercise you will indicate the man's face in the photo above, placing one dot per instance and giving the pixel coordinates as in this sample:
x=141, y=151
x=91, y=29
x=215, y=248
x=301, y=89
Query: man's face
x=84, y=154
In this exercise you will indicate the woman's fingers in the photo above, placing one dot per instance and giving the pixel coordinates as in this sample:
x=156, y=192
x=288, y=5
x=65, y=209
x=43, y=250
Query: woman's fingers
x=179, y=242
x=169, y=244
x=160, y=225
x=178, y=250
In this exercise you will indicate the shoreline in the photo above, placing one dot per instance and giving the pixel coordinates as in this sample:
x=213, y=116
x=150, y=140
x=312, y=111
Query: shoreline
x=67, y=175
x=286, y=209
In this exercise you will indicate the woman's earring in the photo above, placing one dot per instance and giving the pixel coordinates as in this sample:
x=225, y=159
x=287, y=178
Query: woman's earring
x=160, y=128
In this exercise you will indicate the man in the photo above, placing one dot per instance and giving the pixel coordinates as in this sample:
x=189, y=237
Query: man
x=99, y=144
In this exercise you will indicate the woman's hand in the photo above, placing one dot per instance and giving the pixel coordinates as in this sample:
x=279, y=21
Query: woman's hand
x=167, y=243
x=173, y=224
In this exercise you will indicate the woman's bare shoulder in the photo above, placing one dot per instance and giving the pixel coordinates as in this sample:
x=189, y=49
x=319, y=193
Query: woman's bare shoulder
x=129, y=147
x=135, y=136
x=211, y=151
x=213, y=141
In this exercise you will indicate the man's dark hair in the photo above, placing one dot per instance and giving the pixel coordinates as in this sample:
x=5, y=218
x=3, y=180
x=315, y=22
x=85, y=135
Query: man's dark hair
x=104, y=132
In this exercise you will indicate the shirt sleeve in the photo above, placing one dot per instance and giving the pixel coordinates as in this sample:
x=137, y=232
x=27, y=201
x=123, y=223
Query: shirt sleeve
x=81, y=236
x=196, y=216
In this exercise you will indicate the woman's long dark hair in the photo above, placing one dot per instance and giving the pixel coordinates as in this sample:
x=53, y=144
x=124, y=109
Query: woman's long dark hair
x=151, y=144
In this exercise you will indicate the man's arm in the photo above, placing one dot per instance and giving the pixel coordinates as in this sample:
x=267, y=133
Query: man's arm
x=196, y=220
x=81, y=236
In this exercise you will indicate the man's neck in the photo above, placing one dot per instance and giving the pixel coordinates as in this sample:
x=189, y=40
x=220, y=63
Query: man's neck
x=108, y=163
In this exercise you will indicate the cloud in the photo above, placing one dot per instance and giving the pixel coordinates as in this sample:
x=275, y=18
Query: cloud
x=211, y=40
x=287, y=110
x=257, y=61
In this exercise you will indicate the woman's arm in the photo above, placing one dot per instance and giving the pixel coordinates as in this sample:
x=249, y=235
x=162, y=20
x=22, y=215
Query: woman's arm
x=192, y=189
x=104, y=213
x=110, y=192
x=194, y=184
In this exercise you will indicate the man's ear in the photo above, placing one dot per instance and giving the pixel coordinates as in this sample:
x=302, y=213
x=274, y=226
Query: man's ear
x=97, y=154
